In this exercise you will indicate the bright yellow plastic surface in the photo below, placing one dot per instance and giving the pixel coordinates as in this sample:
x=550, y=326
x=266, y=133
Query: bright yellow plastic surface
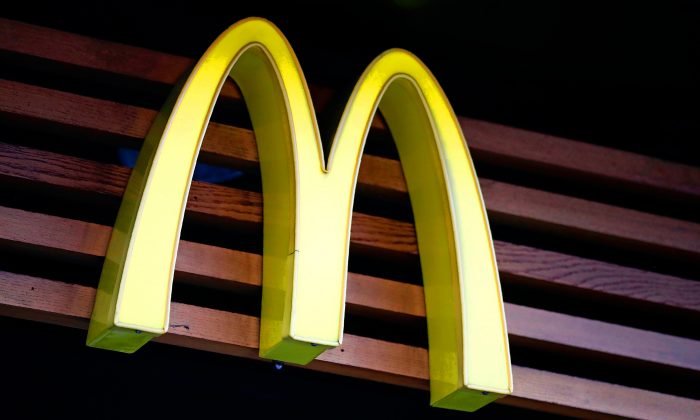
x=307, y=214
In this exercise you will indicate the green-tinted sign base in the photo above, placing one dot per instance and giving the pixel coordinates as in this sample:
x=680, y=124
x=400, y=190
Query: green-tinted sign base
x=466, y=400
x=293, y=351
x=125, y=340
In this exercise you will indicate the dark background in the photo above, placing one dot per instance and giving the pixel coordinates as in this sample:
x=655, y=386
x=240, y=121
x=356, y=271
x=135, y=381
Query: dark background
x=620, y=74
x=49, y=373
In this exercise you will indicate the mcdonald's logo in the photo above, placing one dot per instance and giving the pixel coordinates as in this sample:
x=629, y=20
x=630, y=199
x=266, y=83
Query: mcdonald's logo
x=307, y=208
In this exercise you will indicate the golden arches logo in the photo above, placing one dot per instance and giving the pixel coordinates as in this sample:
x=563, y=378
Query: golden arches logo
x=307, y=212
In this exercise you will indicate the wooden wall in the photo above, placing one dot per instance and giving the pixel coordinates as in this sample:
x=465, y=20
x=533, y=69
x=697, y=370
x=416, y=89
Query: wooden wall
x=597, y=248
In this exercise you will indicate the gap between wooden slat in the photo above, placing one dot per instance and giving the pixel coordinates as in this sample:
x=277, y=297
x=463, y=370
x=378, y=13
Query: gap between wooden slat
x=229, y=333
x=505, y=202
x=229, y=269
x=493, y=142
x=380, y=234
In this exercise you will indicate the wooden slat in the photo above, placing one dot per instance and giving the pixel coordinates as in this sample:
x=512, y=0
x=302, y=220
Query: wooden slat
x=492, y=142
x=223, y=268
x=517, y=261
x=505, y=202
x=533, y=265
x=605, y=166
x=229, y=333
x=581, y=219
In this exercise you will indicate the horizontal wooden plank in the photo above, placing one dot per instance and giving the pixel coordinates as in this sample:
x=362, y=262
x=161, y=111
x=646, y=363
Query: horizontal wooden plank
x=519, y=262
x=533, y=265
x=505, y=202
x=489, y=141
x=223, y=268
x=230, y=333
x=595, y=164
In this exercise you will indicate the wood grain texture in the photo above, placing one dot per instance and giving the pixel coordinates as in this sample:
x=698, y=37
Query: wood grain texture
x=505, y=202
x=493, y=142
x=573, y=159
x=94, y=54
x=580, y=219
x=370, y=232
x=227, y=269
x=527, y=264
x=230, y=333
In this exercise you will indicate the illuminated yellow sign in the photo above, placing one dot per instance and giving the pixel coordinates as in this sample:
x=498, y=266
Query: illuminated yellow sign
x=307, y=212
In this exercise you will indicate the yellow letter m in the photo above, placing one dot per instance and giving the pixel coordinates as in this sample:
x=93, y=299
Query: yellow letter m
x=307, y=213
